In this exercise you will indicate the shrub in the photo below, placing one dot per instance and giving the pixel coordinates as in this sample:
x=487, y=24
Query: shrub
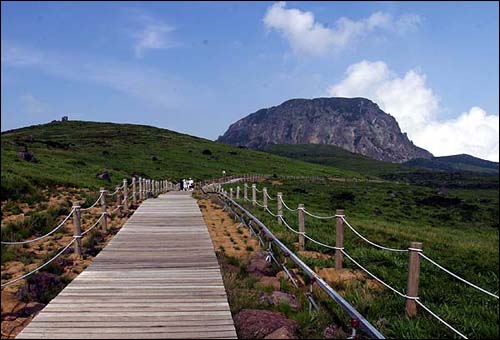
x=14, y=186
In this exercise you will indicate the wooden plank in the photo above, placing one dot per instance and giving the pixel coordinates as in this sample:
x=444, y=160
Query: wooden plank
x=157, y=278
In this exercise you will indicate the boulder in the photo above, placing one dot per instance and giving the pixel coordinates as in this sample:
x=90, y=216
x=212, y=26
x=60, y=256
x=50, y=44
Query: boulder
x=269, y=281
x=281, y=333
x=257, y=324
x=105, y=176
x=258, y=265
x=334, y=331
x=276, y=298
x=26, y=156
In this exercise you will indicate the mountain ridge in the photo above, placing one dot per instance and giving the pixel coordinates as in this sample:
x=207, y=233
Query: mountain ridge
x=354, y=124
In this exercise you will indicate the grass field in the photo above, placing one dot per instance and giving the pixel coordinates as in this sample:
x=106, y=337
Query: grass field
x=458, y=230
x=455, y=215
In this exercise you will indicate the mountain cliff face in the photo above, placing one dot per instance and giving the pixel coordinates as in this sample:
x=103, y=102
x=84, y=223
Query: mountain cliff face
x=354, y=124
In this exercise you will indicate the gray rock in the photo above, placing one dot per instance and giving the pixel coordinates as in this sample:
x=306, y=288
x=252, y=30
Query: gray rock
x=355, y=124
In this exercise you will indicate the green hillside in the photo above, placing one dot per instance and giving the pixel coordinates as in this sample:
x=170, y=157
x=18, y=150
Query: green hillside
x=458, y=172
x=72, y=154
x=457, y=163
x=337, y=157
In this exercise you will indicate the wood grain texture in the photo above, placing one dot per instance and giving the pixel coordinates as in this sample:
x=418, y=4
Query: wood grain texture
x=157, y=278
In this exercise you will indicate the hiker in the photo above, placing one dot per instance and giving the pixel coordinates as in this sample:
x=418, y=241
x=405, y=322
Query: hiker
x=181, y=185
x=190, y=184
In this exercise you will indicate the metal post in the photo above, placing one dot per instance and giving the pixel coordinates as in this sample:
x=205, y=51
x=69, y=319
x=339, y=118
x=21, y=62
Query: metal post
x=301, y=227
x=77, y=232
x=280, y=207
x=413, y=277
x=339, y=242
x=104, y=220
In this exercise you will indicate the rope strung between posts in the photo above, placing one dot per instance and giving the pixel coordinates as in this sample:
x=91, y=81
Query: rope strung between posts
x=377, y=279
x=368, y=241
x=44, y=236
x=439, y=319
x=319, y=217
x=116, y=191
x=269, y=197
x=291, y=229
x=115, y=209
x=93, y=205
x=271, y=213
x=456, y=276
x=286, y=206
x=38, y=268
x=95, y=224
x=260, y=205
x=257, y=190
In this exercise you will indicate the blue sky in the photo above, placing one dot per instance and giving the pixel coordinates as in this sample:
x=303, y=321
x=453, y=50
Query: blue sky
x=196, y=67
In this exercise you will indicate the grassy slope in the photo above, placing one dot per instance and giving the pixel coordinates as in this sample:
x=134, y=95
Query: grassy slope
x=334, y=156
x=448, y=172
x=72, y=153
x=459, y=230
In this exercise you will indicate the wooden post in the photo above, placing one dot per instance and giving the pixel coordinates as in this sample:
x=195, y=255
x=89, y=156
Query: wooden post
x=245, y=191
x=238, y=192
x=141, y=194
x=104, y=220
x=301, y=227
x=125, y=195
x=339, y=243
x=413, y=277
x=134, y=191
x=280, y=207
x=77, y=231
x=118, y=199
x=231, y=193
x=264, y=198
x=254, y=193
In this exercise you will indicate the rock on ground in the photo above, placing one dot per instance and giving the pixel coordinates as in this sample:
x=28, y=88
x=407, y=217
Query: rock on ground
x=257, y=324
x=275, y=298
x=258, y=265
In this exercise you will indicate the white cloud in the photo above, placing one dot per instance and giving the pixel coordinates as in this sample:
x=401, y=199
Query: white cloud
x=32, y=105
x=307, y=36
x=149, y=85
x=416, y=108
x=152, y=34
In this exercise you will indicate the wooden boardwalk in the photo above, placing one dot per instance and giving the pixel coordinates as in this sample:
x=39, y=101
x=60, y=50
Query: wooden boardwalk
x=157, y=278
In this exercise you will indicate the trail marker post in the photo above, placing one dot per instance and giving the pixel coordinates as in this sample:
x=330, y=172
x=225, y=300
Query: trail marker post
x=104, y=220
x=339, y=241
x=302, y=240
x=77, y=231
x=279, y=203
x=413, y=277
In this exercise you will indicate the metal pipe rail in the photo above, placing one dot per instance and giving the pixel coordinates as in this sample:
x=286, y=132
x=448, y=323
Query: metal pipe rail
x=365, y=324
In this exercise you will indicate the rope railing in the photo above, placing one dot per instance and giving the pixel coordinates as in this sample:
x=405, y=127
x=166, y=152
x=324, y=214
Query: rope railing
x=77, y=225
x=93, y=205
x=371, y=242
x=269, y=197
x=456, y=276
x=41, y=237
x=286, y=206
x=439, y=318
x=416, y=249
x=38, y=268
x=95, y=224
